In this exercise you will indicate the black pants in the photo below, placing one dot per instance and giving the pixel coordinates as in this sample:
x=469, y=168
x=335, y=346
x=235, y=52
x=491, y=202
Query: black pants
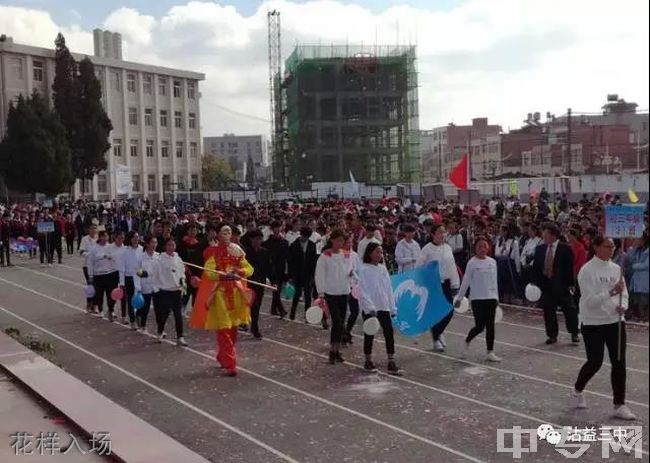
x=255, y=309
x=353, y=305
x=143, y=313
x=166, y=302
x=105, y=284
x=89, y=300
x=440, y=327
x=44, y=250
x=276, y=301
x=304, y=289
x=387, y=327
x=69, y=244
x=552, y=298
x=5, y=252
x=79, y=236
x=55, y=245
x=337, y=306
x=130, y=291
x=484, y=311
x=190, y=293
x=596, y=337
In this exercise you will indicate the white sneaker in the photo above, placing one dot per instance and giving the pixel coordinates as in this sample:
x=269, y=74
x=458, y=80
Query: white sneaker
x=141, y=330
x=465, y=354
x=492, y=358
x=443, y=341
x=438, y=347
x=181, y=342
x=624, y=413
x=579, y=400
x=161, y=336
x=134, y=327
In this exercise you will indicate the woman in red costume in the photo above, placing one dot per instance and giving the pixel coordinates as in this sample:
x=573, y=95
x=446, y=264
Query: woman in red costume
x=223, y=300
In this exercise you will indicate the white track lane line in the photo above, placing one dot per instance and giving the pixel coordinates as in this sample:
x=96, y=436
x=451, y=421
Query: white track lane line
x=287, y=386
x=403, y=346
x=167, y=394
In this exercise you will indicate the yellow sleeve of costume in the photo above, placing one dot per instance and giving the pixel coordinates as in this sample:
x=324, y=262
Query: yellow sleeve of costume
x=246, y=269
x=210, y=266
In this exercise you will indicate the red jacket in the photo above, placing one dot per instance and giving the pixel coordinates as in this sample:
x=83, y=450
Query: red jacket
x=579, y=256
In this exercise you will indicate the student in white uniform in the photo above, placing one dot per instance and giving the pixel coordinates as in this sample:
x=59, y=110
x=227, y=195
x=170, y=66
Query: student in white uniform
x=129, y=265
x=145, y=280
x=377, y=300
x=441, y=252
x=407, y=251
x=86, y=245
x=117, y=249
x=482, y=281
x=102, y=273
x=603, y=302
x=169, y=277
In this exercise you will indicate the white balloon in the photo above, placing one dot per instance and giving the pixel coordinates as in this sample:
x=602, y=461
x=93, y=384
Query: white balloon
x=464, y=306
x=498, y=314
x=314, y=315
x=533, y=293
x=371, y=326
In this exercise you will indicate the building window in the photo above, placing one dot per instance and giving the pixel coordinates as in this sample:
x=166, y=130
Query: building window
x=177, y=89
x=116, y=81
x=181, y=182
x=135, y=179
x=163, y=118
x=195, y=182
x=194, y=149
x=179, y=149
x=192, y=120
x=38, y=70
x=16, y=65
x=147, y=84
x=130, y=82
x=178, y=119
x=167, y=182
x=162, y=86
x=102, y=186
x=164, y=149
x=117, y=147
x=191, y=90
x=151, y=183
x=133, y=116
x=149, y=148
x=133, y=148
x=148, y=117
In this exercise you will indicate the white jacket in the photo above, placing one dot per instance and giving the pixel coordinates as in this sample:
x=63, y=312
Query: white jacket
x=129, y=263
x=334, y=273
x=481, y=278
x=86, y=245
x=147, y=263
x=446, y=262
x=596, y=279
x=168, y=271
x=101, y=260
x=406, y=255
x=376, y=290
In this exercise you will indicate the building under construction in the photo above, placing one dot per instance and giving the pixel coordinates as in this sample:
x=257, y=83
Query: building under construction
x=345, y=110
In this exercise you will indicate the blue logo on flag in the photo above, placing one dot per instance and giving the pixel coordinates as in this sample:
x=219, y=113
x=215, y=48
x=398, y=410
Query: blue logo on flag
x=419, y=299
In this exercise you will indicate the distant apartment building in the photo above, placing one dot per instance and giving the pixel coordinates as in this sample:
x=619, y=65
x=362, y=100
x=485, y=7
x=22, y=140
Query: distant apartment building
x=247, y=156
x=445, y=146
x=154, y=111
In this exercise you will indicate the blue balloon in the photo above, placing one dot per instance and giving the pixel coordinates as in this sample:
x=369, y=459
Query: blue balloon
x=137, y=301
x=89, y=291
x=288, y=291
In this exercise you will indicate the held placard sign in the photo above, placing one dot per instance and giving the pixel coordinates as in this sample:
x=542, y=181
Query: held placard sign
x=624, y=221
x=45, y=227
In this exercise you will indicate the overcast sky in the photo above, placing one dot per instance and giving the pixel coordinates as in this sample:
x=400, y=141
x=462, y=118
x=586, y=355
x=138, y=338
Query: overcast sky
x=495, y=58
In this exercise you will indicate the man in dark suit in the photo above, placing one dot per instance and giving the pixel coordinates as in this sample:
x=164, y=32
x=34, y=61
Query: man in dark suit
x=553, y=273
x=129, y=223
x=278, y=248
x=302, y=267
x=260, y=259
x=82, y=223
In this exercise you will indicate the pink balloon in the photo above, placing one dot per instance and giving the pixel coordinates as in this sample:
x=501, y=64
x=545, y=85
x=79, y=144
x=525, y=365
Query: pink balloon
x=117, y=294
x=195, y=281
x=356, y=292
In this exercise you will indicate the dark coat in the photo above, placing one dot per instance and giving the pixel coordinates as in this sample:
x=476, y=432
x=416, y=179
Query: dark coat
x=302, y=265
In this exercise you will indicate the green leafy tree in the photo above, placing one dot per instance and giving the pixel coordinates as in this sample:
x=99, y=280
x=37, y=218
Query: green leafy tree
x=67, y=95
x=34, y=155
x=215, y=172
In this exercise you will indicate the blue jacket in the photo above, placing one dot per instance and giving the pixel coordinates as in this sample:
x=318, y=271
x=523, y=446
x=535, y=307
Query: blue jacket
x=638, y=261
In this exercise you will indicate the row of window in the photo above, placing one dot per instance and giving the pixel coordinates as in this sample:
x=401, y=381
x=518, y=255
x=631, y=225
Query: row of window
x=17, y=70
x=148, y=85
x=150, y=148
x=152, y=184
x=148, y=118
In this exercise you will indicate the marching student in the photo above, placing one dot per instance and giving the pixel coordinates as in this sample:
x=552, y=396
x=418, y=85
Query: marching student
x=377, y=301
x=102, y=273
x=603, y=302
x=441, y=252
x=408, y=250
x=481, y=276
x=259, y=258
x=353, y=303
x=169, y=277
x=333, y=273
x=116, y=249
x=129, y=265
x=145, y=280
x=86, y=245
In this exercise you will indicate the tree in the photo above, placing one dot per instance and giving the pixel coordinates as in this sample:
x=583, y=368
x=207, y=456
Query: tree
x=34, y=155
x=67, y=95
x=216, y=173
x=93, y=142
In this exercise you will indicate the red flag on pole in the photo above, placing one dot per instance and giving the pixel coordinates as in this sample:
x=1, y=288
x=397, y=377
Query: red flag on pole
x=460, y=175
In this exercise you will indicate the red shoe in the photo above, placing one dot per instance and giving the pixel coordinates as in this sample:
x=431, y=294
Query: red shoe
x=231, y=373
